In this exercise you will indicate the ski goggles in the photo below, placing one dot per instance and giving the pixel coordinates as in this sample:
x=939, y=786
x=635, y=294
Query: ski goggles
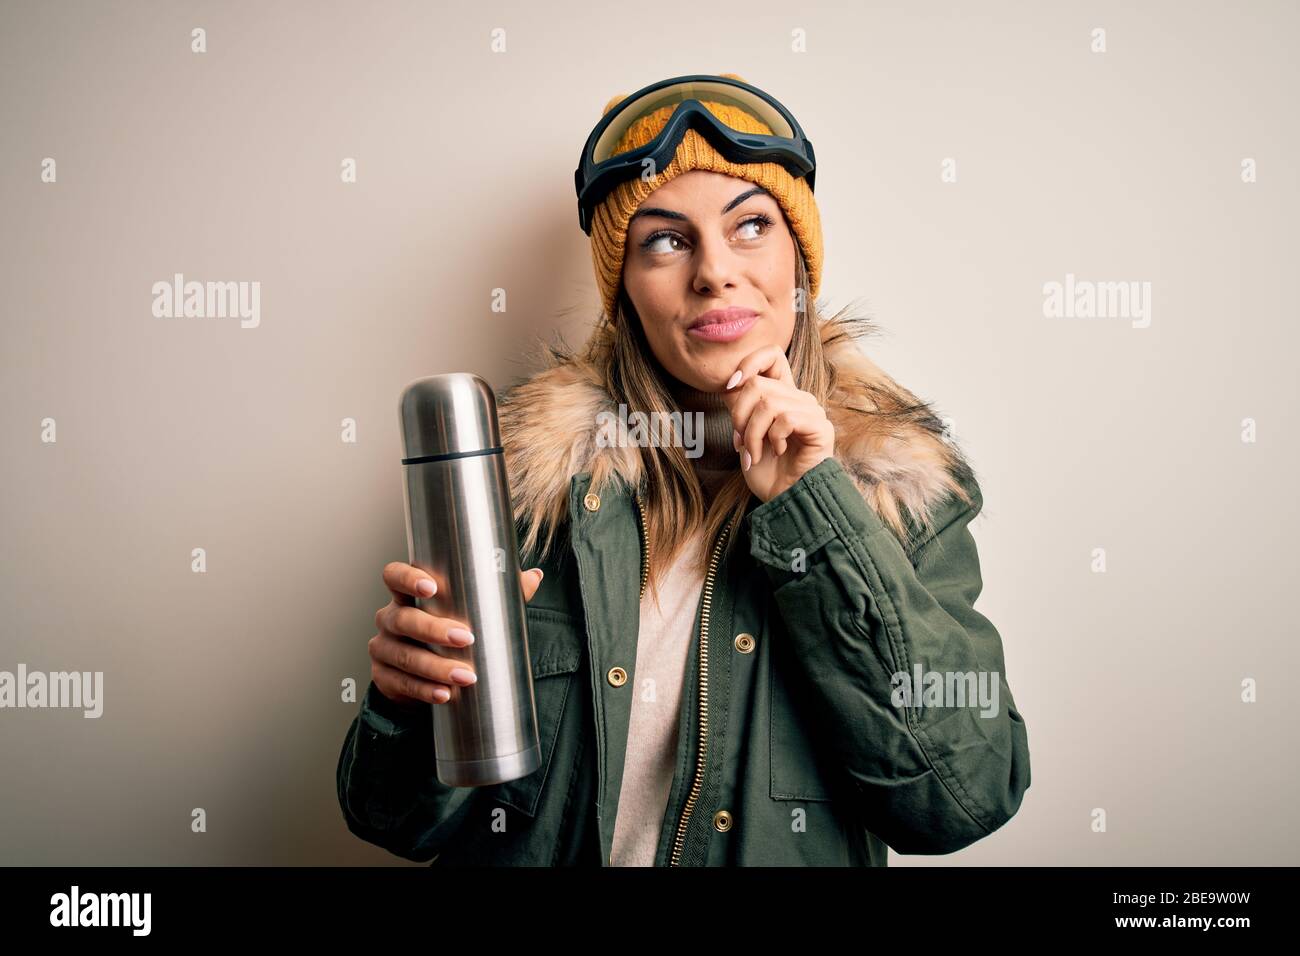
x=599, y=170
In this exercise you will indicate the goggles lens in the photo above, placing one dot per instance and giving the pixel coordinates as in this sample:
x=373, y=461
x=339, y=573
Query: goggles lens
x=629, y=113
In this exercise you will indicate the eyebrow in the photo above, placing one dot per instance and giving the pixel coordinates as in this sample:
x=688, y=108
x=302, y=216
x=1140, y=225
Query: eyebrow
x=670, y=214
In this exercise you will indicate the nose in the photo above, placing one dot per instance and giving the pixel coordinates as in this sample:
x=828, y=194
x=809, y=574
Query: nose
x=716, y=267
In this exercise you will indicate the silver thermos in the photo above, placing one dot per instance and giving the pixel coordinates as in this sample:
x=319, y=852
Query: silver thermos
x=460, y=529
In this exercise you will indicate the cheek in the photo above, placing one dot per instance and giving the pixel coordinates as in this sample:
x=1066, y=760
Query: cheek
x=655, y=330
x=781, y=279
x=655, y=304
x=778, y=267
x=653, y=297
x=645, y=287
x=663, y=337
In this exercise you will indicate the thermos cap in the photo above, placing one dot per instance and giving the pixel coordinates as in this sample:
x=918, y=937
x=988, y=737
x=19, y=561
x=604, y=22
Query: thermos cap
x=448, y=414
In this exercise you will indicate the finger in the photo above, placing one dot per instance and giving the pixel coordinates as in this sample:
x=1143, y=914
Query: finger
x=782, y=428
x=780, y=394
x=418, y=661
x=779, y=368
x=406, y=703
x=419, y=624
x=403, y=582
x=530, y=581
x=742, y=402
x=765, y=450
x=398, y=684
x=790, y=423
x=755, y=411
x=756, y=431
x=768, y=362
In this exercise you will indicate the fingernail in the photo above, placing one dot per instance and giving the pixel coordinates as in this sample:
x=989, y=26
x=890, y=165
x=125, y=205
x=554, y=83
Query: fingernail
x=735, y=439
x=462, y=676
x=460, y=636
x=731, y=382
x=427, y=587
x=745, y=459
x=441, y=694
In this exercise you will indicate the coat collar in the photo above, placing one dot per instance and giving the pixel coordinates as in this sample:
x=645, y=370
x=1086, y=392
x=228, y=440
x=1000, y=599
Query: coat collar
x=890, y=442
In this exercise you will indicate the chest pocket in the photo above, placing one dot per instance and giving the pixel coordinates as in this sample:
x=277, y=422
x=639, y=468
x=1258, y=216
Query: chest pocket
x=795, y=771
x=555, y=653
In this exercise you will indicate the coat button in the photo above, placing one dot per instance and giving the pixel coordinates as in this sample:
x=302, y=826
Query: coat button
x=744, y=642
x=591, y=501
x=722, y=821
x=617, y=676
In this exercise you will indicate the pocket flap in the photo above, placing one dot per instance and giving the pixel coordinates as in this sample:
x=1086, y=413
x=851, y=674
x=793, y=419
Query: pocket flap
x=554, y=646
x=555, y=652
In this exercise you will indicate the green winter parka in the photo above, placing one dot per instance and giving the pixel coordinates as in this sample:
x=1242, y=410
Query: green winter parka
x=822, y=717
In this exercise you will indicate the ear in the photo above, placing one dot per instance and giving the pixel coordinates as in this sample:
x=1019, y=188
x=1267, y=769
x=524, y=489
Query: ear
x=613, y=102
x=734, y=76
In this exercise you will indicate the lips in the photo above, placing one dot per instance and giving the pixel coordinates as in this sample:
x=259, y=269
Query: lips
x=717, y=316
x=724, y=331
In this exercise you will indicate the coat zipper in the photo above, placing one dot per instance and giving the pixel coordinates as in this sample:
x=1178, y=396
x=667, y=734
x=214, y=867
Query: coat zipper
x=697, y=784
x=645, y=548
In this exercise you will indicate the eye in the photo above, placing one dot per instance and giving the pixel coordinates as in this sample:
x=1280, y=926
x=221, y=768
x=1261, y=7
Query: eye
x=649, y=241
x=762, y=219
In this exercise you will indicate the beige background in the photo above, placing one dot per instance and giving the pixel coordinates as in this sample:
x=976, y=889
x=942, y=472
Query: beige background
x=222, y=688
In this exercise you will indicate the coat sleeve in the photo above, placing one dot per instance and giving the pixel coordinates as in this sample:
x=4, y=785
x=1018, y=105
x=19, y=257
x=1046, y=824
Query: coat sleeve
x=387, y=785
x=859, y=612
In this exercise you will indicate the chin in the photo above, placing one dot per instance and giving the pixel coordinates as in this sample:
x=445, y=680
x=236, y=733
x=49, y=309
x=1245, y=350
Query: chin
x=710, y=377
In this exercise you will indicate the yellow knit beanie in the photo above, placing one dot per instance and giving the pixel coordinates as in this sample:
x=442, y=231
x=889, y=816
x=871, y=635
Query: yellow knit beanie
x=610, y=218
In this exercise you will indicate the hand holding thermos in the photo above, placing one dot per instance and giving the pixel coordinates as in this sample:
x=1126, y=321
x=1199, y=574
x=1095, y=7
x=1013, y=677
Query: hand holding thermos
x=407, y=673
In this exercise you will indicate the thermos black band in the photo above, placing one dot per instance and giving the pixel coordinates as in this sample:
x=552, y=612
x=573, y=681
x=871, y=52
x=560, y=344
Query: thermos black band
x=454, y=454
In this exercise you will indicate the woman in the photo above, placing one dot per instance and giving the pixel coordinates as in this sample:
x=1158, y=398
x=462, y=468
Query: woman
x=749, y=656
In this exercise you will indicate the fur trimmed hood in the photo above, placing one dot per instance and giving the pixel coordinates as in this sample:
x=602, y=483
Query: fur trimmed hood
x=889, y=441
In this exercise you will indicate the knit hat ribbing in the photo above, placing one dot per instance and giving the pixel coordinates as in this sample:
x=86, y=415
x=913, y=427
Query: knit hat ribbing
x=610, y=218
